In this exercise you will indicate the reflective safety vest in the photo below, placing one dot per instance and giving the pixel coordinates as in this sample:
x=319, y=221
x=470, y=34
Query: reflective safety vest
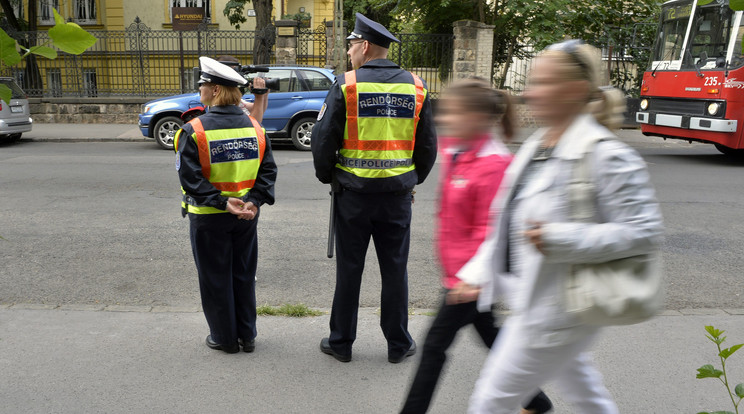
x=229, y=159
x=380, y=133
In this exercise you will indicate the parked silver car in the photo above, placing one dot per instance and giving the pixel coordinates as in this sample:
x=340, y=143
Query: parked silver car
x=15, y=119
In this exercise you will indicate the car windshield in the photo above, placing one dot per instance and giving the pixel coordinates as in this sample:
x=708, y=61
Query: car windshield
x=15, y=89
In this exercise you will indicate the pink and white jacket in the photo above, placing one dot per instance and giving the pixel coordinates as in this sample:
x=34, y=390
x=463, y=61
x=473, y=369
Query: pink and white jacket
x=466, y=188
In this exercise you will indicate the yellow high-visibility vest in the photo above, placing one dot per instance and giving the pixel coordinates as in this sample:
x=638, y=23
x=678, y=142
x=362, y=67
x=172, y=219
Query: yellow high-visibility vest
x=229, y=158
x=380, y=132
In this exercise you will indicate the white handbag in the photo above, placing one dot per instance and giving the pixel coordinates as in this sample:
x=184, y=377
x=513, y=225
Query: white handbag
x=620, y=292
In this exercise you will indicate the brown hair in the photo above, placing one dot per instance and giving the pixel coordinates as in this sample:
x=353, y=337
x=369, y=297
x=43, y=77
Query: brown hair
x=226, y=95
x=583, y=62
x=477, y=95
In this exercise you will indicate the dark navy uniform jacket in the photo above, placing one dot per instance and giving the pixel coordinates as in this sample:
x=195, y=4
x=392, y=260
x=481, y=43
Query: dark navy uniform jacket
x=328, y=135
x=190, y=172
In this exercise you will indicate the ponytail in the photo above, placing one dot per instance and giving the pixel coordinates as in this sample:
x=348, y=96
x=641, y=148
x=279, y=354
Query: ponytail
x=609, y=108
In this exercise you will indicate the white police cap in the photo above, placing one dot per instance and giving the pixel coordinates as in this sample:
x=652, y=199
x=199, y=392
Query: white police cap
x=218, y=73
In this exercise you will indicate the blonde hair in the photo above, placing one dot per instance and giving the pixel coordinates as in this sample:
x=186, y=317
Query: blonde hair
x=583, y=62
x=226, y=95
x=477, y=95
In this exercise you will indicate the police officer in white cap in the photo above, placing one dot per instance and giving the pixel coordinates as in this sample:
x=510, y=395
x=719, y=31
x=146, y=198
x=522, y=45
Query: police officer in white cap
x=227, y=173
x=375, y=138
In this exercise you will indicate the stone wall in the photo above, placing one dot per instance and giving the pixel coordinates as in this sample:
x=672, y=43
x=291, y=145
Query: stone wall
x=86, y=110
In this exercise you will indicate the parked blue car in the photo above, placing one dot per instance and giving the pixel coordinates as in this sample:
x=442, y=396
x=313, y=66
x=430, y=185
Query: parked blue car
x=290, y=115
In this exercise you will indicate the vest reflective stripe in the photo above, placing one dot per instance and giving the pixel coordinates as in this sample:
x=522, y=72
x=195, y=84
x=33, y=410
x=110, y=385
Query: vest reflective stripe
x=224, y=169
x=379, y=151
x=352, y=106
x=374, y=164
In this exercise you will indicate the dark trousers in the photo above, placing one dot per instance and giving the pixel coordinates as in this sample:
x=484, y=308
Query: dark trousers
x=386, y=218
x=225, y=251
x=442, y=332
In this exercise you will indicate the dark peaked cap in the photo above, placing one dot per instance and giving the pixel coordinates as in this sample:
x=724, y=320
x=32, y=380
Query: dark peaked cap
x=371, y=31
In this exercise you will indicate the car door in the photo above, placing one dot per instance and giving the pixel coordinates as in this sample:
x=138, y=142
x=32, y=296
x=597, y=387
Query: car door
x=283, y=102
x=317, y=85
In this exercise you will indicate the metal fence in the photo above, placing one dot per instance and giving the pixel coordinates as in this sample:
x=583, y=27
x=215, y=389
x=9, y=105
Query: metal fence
x=141, y=62
x=312, y=45
x=427, y=55
x=138, y=61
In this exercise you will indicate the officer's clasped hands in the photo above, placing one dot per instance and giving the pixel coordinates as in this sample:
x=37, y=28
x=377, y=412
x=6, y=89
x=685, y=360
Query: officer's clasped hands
x=244, y=210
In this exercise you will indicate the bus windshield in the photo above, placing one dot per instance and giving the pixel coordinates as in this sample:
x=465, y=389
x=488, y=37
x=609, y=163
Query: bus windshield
x=709, y=37
x=707, y=46
x=674, y=19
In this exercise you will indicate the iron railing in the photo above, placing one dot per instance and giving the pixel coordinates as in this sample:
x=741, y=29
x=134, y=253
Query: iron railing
x=427, y=55
x=137, y=61
x=142, y=62
x=312, y=45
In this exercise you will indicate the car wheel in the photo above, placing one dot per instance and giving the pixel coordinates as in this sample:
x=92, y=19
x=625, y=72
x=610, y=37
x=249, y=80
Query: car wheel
x=302, y=132
x=165, y=131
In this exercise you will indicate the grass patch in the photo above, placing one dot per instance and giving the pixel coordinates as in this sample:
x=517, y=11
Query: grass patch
x=299, y=310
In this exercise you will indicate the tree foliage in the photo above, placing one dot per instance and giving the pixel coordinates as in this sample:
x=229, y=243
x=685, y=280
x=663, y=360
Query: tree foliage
x=65, y=36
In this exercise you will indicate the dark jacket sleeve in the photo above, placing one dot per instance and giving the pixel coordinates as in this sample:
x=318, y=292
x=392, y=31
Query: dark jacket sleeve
x=328, y=134
x=190, y=173
x=263, y=190
x=425, y=148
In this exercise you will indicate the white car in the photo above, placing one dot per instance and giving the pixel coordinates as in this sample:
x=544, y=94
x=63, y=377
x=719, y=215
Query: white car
x=15, y=119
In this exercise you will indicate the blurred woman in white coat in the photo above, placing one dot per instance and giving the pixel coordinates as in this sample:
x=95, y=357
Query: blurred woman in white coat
x=533, y=244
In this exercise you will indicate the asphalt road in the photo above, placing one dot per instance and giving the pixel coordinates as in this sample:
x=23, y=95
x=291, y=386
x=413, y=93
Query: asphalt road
x=99, y=223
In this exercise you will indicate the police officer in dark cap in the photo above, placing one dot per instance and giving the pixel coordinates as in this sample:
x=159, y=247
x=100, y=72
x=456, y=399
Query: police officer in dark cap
x=374, y=141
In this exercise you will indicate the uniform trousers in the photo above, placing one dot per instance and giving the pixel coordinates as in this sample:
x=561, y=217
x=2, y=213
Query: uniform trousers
x=386, y=218
x=515, y=369
x=449, y=320
x=225, y=250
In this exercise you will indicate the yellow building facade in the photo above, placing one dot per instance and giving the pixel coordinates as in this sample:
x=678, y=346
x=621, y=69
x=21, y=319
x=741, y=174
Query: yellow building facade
x=123, y=62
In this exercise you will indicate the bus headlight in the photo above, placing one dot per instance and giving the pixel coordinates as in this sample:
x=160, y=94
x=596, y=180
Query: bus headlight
x=644, y=104
x=713, y=108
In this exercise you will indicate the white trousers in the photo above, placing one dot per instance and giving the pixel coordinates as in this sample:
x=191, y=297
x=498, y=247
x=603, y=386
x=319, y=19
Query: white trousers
x=514, y=371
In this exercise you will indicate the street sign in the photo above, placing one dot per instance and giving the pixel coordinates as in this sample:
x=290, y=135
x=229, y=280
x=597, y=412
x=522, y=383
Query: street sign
x=187, y=18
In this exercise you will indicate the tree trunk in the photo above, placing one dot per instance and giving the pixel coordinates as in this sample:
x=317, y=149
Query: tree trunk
x=265, y=32
x=10, y=15
x=32, y=82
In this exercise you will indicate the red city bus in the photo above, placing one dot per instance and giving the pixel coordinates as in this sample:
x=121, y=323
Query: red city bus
x=694, y=87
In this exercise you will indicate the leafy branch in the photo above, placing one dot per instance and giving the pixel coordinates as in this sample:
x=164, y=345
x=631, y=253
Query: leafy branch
x=65, y=36
x=709, y=371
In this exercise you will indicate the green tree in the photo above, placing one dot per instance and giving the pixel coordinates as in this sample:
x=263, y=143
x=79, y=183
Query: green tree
x=67, y=37
x=265, y=34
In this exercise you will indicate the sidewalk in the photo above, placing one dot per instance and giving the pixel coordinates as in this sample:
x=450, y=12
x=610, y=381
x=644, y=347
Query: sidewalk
x=84, y=132
x=129, y=359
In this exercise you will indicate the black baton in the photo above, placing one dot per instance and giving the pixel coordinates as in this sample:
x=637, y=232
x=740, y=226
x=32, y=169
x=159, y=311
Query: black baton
x=332, y=224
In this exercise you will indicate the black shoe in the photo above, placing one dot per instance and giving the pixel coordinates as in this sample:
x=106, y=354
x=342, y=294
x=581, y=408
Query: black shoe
x=248, y=346
x=325, y=347
x=235, y=348
x=396, y=359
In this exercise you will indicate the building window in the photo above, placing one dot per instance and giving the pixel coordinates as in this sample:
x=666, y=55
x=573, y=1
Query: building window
x=203, y=4
x=90, y=84
x=46, y=15
x=84, y=11
x=54, y=82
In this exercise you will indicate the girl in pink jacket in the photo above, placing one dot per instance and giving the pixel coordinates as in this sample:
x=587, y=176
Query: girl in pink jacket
x=474, y=159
